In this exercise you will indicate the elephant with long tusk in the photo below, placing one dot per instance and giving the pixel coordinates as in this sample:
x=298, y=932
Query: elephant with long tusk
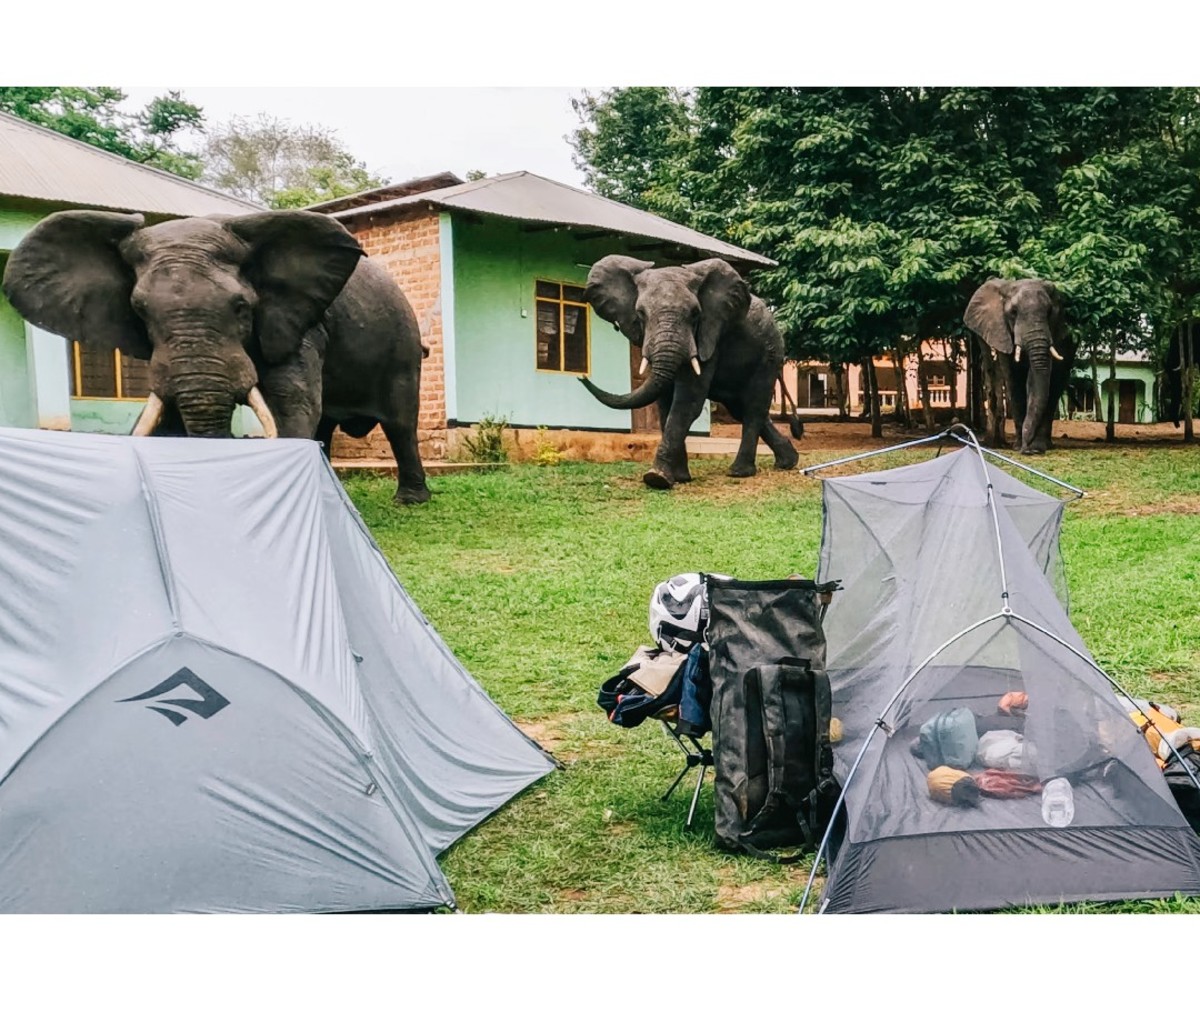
x=279, y=311
x=1021, y=323
x=703, y=336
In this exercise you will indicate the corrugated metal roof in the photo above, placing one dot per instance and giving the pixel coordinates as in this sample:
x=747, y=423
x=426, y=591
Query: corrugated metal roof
x=380, y=194
x=529, y=197
x=36, y=163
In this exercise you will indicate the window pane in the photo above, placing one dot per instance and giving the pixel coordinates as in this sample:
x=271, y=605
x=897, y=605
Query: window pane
x=575, y=347
x=547, y=290
x=548, y=348
x=135, y=377
x=98, y=372
x=573, y=294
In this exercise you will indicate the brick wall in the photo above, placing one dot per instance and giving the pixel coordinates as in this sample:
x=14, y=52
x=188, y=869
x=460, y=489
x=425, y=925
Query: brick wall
x=410, y=250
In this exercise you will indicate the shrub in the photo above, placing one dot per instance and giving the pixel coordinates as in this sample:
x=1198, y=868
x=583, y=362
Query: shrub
x=546, y=453
x=486, y=442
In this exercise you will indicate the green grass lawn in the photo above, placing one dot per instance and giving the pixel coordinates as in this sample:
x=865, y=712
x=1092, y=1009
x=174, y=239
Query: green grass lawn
x=538, y=579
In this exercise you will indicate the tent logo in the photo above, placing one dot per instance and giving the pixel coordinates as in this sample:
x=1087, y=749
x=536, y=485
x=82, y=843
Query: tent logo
x=210, y=702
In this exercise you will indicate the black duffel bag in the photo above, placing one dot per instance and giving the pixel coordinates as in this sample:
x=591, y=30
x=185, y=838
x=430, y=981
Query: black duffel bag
x=773, y=784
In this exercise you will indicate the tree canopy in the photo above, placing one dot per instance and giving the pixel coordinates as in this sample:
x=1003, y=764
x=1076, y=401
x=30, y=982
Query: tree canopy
x=263, y=159
x=886, y=207
x=93, y=115
x=282, y=165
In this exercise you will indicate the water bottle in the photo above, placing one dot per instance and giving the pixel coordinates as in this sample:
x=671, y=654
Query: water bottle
x=1058, y=803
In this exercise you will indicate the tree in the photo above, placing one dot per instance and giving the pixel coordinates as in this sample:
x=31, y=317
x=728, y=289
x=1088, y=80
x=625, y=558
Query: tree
x=93, y=115
x=887, y=207
x=629, y=141
x=269, y=160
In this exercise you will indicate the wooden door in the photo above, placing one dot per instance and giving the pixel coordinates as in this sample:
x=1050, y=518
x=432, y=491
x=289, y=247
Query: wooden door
x=644, y=420
x=1127, y=401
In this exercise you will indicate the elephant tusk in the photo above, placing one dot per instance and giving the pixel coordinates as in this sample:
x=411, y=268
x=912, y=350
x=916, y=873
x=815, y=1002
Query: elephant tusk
x=696, y=365
x=643, y=367
x=1017, y=353
x=1055, y=354
x=259, y=406
x=150, y=416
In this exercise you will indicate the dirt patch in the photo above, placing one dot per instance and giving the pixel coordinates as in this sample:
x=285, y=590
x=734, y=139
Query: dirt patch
x=854, y=436
x=546, y=731
x=733, y=897
x=556, y=735
x=1178, y=505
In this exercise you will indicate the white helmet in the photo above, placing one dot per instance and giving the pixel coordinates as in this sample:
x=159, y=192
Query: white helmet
x=679, y=611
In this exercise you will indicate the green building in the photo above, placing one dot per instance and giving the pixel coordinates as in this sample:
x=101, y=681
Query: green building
x=495, y=270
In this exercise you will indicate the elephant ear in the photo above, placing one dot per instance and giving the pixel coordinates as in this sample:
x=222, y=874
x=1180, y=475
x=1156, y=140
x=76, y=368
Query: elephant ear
x=612, y=292
x=1058, y=322
x=724, y=299
x=985, y=315
x=68, y=276
x=298, y=264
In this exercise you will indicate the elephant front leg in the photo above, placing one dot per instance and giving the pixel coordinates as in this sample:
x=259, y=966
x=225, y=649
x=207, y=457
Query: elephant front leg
x=679, y=464
x=671, y=456
x=293, y=394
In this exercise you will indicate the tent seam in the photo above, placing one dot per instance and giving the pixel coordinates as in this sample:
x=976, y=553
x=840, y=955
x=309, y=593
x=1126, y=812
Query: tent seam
x=474, y=687
x=160, y=547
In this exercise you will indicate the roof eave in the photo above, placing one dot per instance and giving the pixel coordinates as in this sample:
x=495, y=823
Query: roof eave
x=388, y=211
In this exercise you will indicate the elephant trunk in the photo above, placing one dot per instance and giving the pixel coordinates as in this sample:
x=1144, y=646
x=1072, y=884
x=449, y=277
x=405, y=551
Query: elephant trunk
x=661, y=378
x=1037, y=390
x=206, y=413
x=669, y=346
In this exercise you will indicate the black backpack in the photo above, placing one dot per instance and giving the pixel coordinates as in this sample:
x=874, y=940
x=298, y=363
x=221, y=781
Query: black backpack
x=773, y=785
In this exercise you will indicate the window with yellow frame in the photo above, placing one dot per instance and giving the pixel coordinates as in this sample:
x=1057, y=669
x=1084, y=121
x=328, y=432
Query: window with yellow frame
x=564, y=343
x=107, y=374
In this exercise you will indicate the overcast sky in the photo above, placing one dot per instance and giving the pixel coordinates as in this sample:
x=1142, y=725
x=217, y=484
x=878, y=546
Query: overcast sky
x=401, y=133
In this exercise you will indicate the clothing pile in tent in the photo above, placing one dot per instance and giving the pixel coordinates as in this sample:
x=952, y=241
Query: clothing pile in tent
x=215, y=696
x=958, y=676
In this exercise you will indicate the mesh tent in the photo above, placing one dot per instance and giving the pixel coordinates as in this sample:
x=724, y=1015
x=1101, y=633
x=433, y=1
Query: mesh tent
x=216, y=696
x=952, y=599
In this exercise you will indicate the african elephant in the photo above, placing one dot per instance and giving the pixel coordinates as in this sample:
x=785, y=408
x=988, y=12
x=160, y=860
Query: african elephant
x=703, y=336
x=1021, y=322
x=277, y=310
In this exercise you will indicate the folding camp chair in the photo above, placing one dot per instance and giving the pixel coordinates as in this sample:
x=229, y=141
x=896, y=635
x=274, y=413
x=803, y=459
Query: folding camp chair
x=701, y=758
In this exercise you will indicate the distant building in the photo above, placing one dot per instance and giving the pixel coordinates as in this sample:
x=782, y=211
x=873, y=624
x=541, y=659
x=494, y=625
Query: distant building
x=816, y=388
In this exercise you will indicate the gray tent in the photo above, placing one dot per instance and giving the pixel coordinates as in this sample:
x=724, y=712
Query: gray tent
x=954, y=596
x=215, y=695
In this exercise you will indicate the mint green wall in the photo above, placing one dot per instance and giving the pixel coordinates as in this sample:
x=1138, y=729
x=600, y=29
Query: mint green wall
x=95, y=415
x=494, y=266
x=34, y=380
x=16, y=386
x=1145, y=398
x=13, y=225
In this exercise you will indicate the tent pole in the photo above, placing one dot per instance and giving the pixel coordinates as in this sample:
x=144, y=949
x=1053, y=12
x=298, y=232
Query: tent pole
x=954, y=433
x=872, y=454
x=1115, y=684
x=867, y=741
x=1033, y=471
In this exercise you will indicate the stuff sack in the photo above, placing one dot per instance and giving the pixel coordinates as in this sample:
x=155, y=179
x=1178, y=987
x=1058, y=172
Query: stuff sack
x=773, y=784
x=949, y=739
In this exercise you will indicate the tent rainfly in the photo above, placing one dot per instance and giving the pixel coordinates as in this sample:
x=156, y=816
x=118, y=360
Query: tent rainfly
x=953, y=597
x=215, y=696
